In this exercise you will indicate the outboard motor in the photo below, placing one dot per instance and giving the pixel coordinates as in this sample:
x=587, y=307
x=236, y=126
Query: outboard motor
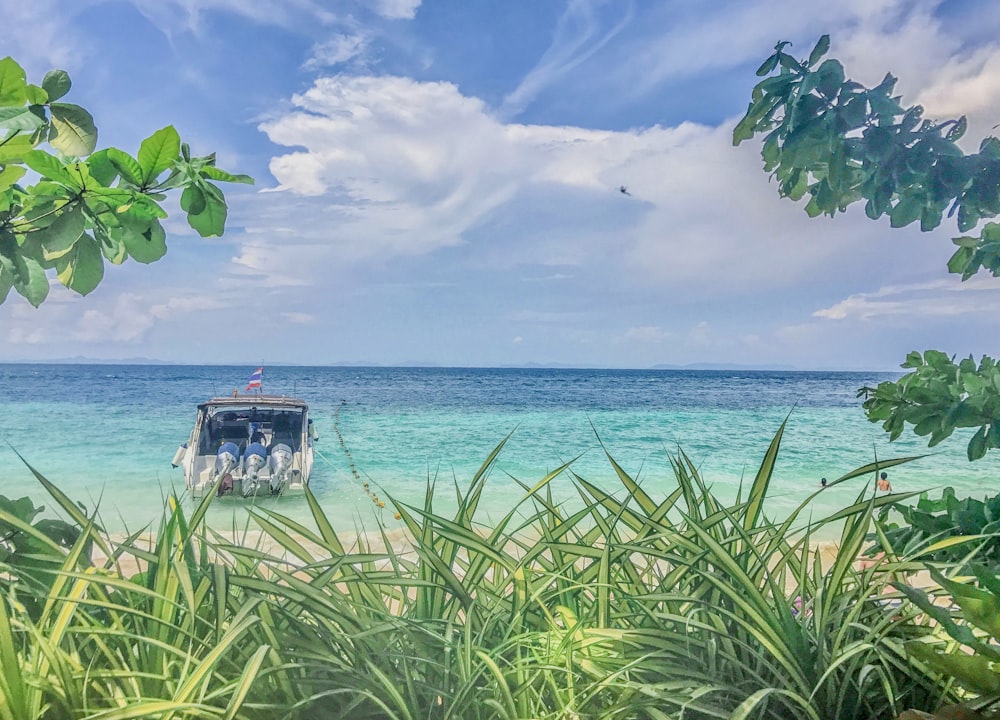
x=280, y=463
x=179, y=456
x=254, y=459
x=225, y=460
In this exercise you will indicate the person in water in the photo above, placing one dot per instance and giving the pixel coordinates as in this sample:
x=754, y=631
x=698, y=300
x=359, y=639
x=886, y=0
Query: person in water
x=822, y=482
x=883, y=483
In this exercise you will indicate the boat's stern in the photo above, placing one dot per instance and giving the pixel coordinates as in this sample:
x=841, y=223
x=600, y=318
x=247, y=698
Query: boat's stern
x=248, y=446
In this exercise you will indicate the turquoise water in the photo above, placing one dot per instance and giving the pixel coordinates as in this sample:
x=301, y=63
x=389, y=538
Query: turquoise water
x=107, y=434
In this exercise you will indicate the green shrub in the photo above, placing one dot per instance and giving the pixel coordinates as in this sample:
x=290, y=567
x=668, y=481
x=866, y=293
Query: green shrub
x=930, y=521
x=31, y=548
x=973, y=621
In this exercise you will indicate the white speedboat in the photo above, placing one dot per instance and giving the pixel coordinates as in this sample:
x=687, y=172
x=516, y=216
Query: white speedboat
x=248, y=445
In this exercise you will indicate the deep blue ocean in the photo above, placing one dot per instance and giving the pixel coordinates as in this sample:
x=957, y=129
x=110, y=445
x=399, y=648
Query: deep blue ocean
x=106, y=434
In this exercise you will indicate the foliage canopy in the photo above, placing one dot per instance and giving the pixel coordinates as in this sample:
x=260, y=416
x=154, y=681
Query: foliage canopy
x=87, y=206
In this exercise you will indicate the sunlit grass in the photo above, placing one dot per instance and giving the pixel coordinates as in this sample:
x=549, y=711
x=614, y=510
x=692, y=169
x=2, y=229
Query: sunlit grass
x=623, y=605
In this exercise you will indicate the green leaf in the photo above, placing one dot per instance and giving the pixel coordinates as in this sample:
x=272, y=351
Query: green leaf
x=937, y=359
x=80, y=172
x=977, y=445
x=193, y=200
x=6, y=283
x=930, y=218
x=210, y=171
x=145, y=206
x=15, y=148
x=127, y=166
x=905, y=211
x=73, y=130
x=36, y=95
x=29, y=279
x=82, y=269
x=157, y=153
x=10, y=175
x=101, y=168
x=117, y=199
x=744, y=129
x=768, y=65
x=959, y=262
x=20, y=118
x=148, y=245
x=212, y=220
x=60, y=237
x=13, y=87
x=830, y=77
x=958, y=129
x=972, y=671
x=56, y=83
x=48, y=166
x=112, y=247
x=822, y=45
x=813, y=208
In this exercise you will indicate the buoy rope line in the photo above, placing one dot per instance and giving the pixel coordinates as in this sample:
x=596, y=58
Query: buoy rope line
x=380, y=504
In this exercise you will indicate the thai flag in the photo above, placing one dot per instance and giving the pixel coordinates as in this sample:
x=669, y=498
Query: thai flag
x=255, y=378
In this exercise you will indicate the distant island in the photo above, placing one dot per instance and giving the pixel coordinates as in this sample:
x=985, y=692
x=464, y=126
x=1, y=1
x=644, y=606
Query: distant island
x=710, y=366
x=725, y=366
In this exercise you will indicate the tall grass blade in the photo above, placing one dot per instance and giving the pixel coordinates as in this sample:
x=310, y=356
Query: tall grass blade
x=762, y=481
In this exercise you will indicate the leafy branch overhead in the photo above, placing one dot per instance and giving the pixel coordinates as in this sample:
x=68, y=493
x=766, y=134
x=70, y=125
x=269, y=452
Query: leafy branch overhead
x=86, y=207
x=839, y=143
x=937, y=397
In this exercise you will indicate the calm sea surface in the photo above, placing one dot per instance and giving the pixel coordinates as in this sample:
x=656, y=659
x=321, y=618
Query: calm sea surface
x=108, y=433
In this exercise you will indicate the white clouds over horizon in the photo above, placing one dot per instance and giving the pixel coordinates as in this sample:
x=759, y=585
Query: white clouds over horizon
x=939, y=298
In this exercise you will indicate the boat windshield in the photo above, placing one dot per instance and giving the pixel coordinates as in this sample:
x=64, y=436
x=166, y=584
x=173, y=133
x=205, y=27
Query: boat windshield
x=268, y=426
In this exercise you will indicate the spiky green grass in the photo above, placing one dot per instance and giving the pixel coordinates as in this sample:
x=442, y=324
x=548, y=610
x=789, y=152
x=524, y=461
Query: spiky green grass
x=624, y=606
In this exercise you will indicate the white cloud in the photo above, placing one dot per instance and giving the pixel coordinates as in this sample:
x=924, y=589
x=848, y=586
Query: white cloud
x=386, y=167
x=554, y=277
x=648, y=334
x=41, y=36
x=397, y=9
x=397, y=166
x=546, y=317
x=579, y=35
x=269, y=267
x=942, y=298
x=130, y=316
x=170, y=15
x=100, y=320
x=122, y=323
x=967, y=85
x=339, y=49
x=36, y=335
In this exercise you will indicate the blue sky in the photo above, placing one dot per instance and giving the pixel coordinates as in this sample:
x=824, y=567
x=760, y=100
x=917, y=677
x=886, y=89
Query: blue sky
x=437, y=182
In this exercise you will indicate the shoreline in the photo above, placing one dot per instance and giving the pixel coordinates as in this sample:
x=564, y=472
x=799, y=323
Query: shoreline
x=401, y=546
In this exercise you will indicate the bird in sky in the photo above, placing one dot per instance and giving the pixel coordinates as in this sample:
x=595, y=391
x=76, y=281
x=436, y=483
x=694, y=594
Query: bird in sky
x=624, y=191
